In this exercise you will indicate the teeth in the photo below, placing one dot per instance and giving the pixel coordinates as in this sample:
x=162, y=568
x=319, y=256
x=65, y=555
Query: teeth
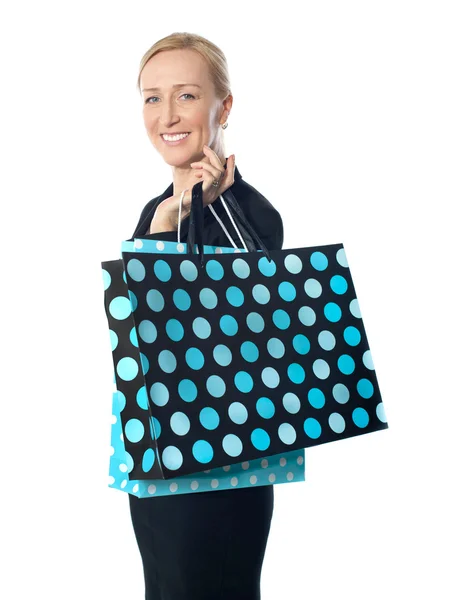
x=174, y=138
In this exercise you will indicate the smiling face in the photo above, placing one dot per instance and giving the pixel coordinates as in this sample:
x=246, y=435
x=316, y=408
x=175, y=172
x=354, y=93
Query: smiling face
x=172, y=108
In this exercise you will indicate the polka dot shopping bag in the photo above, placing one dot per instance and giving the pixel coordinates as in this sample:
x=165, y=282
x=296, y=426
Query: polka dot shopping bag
x=230, y=362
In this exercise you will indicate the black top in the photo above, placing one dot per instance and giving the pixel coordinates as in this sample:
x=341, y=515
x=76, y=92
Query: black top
x=264, y=218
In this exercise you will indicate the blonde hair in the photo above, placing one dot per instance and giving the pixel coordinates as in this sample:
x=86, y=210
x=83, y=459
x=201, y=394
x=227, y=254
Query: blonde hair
x=215, y=58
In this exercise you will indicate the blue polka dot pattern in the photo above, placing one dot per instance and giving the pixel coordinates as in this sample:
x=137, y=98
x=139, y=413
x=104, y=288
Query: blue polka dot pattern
x=245, y=361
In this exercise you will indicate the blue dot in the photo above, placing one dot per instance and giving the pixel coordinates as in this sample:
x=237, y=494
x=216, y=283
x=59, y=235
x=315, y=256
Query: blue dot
x=238, y=413
x=270, y=377
x=106, y=279
x=159, y=394
x=341, y=393
x=179, y=423
x=365, y=388
x=134, y=430
x=275, y=348
x=214, y=269
x=188, y=270
x=142, y=399
x=367, y=360
x=287, y=433
x=244, y=381
x=129, y=461
x=241, y=268
x=181, y=299
x=267, y=267
x=133, y=337
x=260, y=439
x=354, y=308
x=148, y=459
x=346, y=364
x=132, y=299
x=147, y=331
x=312, y=428
x=326, y=340
x=380, y=410
x=332, y=312
x=321, y=368
x=301, y=344
x=341, y=257
x=296, y=373
x=313, y=288
x=255, y=322
x=319, y=261
x=135, y=269
x=336, y=422
x=155, y=428
x=209, y=418
x=155, y=300
x=338, y=284
x=249, y=351
x=234, y=296
x=201, y=328
x=291, y=402
x=113, y=339
x=127, y=368
x=172, y=458
x=187, y=390
x=293, y=263
x=261, y=293
x=195, y=358
x=281, y=319
x=316, y=398
x=208, y=298
x=232, y=445
x=306, y=315
x=228, y=325
x=145, y=363
x=202, y=451
x=352, y=336
x=167, y=361
x=119, y=401
x=287, y=291
x=265, y=408
x=216, y=386
x=222, y=355
x=120, y=308
x=174, y=330
x=162, y=270
x=360, y=417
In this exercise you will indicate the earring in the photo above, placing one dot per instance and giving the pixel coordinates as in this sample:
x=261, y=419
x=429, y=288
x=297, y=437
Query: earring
x=225, y=125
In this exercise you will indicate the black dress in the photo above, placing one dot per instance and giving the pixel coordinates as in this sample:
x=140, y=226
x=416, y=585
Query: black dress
x=208, y=545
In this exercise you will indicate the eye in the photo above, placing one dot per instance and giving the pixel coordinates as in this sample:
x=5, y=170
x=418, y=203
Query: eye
x=151, y=97
x=188, y=95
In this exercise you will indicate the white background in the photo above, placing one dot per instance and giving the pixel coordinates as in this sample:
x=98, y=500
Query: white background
x=343, y=118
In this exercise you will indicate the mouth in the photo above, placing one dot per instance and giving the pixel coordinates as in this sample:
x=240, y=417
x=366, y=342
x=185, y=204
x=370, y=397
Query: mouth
x=175, y=139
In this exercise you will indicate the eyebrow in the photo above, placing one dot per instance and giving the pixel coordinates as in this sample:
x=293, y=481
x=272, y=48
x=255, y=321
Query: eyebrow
x=177, y=85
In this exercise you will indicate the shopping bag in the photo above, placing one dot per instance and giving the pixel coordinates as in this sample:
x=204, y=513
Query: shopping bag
x=236, y=358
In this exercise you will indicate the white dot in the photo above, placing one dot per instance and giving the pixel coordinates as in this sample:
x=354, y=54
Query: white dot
x=180, y=247
x=135, y=489
x=253, y=479
x=173, y=487
x=214, y=483
x=245, y=465
x=113, y=419
x=237, y=250
x=124, y=483
x=283, y=462
x=111, y=480
x=123, y=468
x=299, y=460
x=159, y=245
x=112, y=451
x=218, y=251
x=272, y=478
x=209, y=471
x=264, y=463
x=194, y=485
x=151, y=489
x=138, y=244
x=121, y=437
x=290, y=476
x=234, y=481
x=227, y=468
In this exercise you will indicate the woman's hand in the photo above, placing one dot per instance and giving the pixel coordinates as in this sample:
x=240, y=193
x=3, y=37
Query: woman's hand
x=206, y=170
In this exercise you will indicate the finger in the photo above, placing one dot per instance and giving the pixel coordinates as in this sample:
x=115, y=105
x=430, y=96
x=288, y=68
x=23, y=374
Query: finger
x=214, y=158
x=229, y=176
x=213, y=171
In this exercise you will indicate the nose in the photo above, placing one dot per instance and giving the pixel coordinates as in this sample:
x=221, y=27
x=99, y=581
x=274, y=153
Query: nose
x=168, y=113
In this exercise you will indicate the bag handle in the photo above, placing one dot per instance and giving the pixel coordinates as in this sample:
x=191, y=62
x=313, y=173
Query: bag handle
x=248, y=236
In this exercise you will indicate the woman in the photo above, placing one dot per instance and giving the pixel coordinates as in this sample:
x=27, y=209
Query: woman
x=206, y=545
